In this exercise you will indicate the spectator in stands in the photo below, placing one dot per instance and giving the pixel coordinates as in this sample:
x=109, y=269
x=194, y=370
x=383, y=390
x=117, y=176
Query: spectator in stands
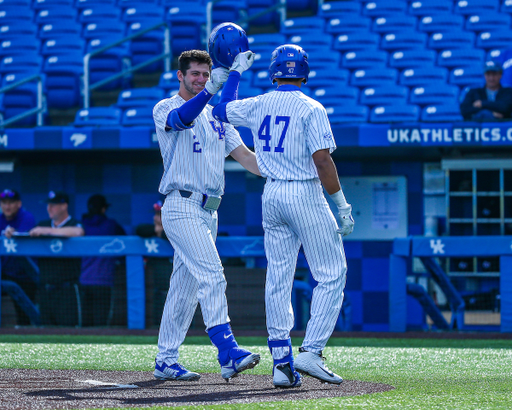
x=97, y=278
x=491, y=102
x=59, y=297
x=13, y=221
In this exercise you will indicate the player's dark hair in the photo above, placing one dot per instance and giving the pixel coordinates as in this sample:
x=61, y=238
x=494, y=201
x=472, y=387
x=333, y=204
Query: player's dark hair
x=189, y=56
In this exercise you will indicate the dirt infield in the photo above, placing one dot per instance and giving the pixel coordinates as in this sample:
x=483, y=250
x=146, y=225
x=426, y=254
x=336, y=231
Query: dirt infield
x=23, y=389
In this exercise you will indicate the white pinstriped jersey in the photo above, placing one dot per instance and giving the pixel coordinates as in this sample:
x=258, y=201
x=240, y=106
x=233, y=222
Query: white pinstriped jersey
x=287, y=127
x=193, y=158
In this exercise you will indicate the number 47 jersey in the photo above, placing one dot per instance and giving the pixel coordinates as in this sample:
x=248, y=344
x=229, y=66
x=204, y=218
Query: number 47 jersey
x=287, y=127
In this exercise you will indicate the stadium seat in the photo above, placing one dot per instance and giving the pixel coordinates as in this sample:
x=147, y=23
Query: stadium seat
x=488, y=22
x=140, y=97
x=500, y=39
x=383, y=8
x=42, y=4
x=261, y=58
x=384, y=95
x=258, y=6
x=312, y=42
x=441, y=113
x=14, y=30
x=98, y=116
x=247, y=90
x=187, y=21
x=20, y=45
x=434, y=94
x=302, y=25
x=373, y=77
x=395, y=113
x=343, y=95
x=266, y=40
x=17, y=3
x=55, y=15
x=421, y=76
x=20, y=99
x=12, y=14
x=356, y=41
x=347, y=114
x=62, y=45
x=104, y=29
x=60, y=29
x=364, y=59
x=348, y=24
x=393, y=24
x=467, y=76
x=138, y=117
x=228, y=10
x=441, y=23
x=506, y=7
x=109, y=62
x=326, y=77
x=63, y=80
x=430, y=7
x=20, y=63
x=169, y=81
x=96, y=13
x=302, y=6
x=147, y=46
x=412, y=59
x=450, y=40
x=319, y=59
x=461, y=57
x=125, y=4
x=85, y=4
x=335, y=9
x=141, y=11
x=261, y=79
x=403, y=40
x=475, y=7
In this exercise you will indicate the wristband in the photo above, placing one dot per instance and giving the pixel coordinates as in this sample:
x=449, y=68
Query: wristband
x=339, y=199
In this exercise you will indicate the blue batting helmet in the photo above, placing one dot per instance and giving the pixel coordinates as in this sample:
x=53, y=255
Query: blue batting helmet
x=226, y=41
x=289, y=61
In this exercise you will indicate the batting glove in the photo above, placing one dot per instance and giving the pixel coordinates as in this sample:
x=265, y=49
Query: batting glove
x=218, y=77
x=243, y=61
x=347, y=222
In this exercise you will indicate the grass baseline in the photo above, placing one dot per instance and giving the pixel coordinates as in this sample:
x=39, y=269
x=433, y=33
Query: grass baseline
x=426, y=373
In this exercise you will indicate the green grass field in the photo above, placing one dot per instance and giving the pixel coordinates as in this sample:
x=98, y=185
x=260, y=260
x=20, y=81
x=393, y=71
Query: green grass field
x=426, y=373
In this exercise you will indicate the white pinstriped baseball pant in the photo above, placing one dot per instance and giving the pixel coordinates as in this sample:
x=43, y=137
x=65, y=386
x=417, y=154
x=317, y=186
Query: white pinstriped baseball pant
x=295, y=213
x=198, y=275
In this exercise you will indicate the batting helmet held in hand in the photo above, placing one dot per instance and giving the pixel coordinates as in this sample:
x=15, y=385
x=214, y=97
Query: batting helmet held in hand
x=226, y=41
x=289, y=61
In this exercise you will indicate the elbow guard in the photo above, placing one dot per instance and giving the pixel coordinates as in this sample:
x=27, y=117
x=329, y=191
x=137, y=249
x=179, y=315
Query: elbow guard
x=219, y=112
x=174, y=122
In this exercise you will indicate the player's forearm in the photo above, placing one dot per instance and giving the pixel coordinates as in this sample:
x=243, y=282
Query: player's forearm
x=68, y=231
x=327, y=171
x=189, y=111
x=246, y=158
x=229, y=93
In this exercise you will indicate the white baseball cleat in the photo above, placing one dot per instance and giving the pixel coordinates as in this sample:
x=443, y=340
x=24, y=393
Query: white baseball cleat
x=174, y=372
x=285, y=376
x=312, y=364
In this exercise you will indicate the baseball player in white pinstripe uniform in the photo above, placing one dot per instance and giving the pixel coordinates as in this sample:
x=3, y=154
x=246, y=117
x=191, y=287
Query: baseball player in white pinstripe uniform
x=293, y=141
x=193, y=147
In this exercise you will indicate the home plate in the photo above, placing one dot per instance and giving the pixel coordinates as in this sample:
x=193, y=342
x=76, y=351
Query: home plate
x=109, y=385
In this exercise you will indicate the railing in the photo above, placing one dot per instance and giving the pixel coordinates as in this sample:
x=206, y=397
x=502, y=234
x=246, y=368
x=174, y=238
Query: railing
x=165, y=55
x=39, y=110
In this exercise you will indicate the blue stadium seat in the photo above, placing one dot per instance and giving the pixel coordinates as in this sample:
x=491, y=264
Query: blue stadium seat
x=335, y=9
x=266, y=40
x=441, y=23
x=20, y=99
x=62, y=45
x=63, y=76
x=441, y=113
x=55, y=15
x=383, y=8
x=501, y=39
x=384, y=95
x=187, y=21
x=403, y=40
x=124, y=4
x=326, y=77
x=356, y=41
x=85, y=4
x=142, y=11
x=395, y=113
x=257, y=6
x=108, y=63
x=98, y=116
x=20, y=45
x=364, y=59
x=434, y=94
x=348, y=24
x=371, y=77
x=14, y=30
x=246, y=90
x=302, y=6
x=20, y=63
x=494, y=55
x=347, y=114
x=228, y=10
x=467, y=76
x=303, y=24
x=450, y=40
x=60, y=29
x=42, y=4
x=138, y=117
x=506, y=6
x=461, y=57
x=488, y=22
x=140, y=97
x=393, y=24
x=311, y=42
x=12, y=14
x=421, y=76
x=261, y=58
x=96, y=13
x=319, y=59
x=430, y=7
x=473, y=7
x=104, y=28
x=169, y=81
x=17, y=3
x=147, y=46
x=412, y=59
x=343, y=95
x=261, y=79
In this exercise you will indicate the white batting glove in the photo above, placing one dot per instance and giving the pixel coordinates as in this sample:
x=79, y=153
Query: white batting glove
x=218, y=77
x=243, y=61
x=346, y=221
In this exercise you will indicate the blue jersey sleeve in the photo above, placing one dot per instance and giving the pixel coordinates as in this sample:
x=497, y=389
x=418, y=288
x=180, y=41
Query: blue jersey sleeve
x=229, y=93
x=183, y=117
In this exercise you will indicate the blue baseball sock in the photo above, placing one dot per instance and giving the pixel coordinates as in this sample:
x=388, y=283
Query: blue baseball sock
x=223, y=339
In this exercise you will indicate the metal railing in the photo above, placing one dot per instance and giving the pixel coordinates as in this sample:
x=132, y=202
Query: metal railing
x=39, y=109
x=166, y=55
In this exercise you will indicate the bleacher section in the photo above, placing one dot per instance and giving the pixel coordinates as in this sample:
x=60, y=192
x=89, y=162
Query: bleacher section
x=372, y=61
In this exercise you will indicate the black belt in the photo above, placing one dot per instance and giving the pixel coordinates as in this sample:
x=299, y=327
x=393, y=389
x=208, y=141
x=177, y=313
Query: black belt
x=287, y=180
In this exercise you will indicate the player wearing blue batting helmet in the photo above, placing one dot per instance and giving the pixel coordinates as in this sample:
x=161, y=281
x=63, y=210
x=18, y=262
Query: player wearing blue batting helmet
x=289, y=61
x=226, y=41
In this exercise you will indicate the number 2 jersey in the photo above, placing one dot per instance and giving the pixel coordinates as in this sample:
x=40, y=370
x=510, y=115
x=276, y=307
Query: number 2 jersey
x=287, y=127
x=194, y=158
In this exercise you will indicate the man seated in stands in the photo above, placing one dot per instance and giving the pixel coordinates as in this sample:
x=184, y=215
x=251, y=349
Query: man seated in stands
x=15, y=220
x=489, y=103
x=59, y=297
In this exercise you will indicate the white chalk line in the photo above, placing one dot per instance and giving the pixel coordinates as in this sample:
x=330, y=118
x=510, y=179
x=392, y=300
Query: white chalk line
x=107, y=385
